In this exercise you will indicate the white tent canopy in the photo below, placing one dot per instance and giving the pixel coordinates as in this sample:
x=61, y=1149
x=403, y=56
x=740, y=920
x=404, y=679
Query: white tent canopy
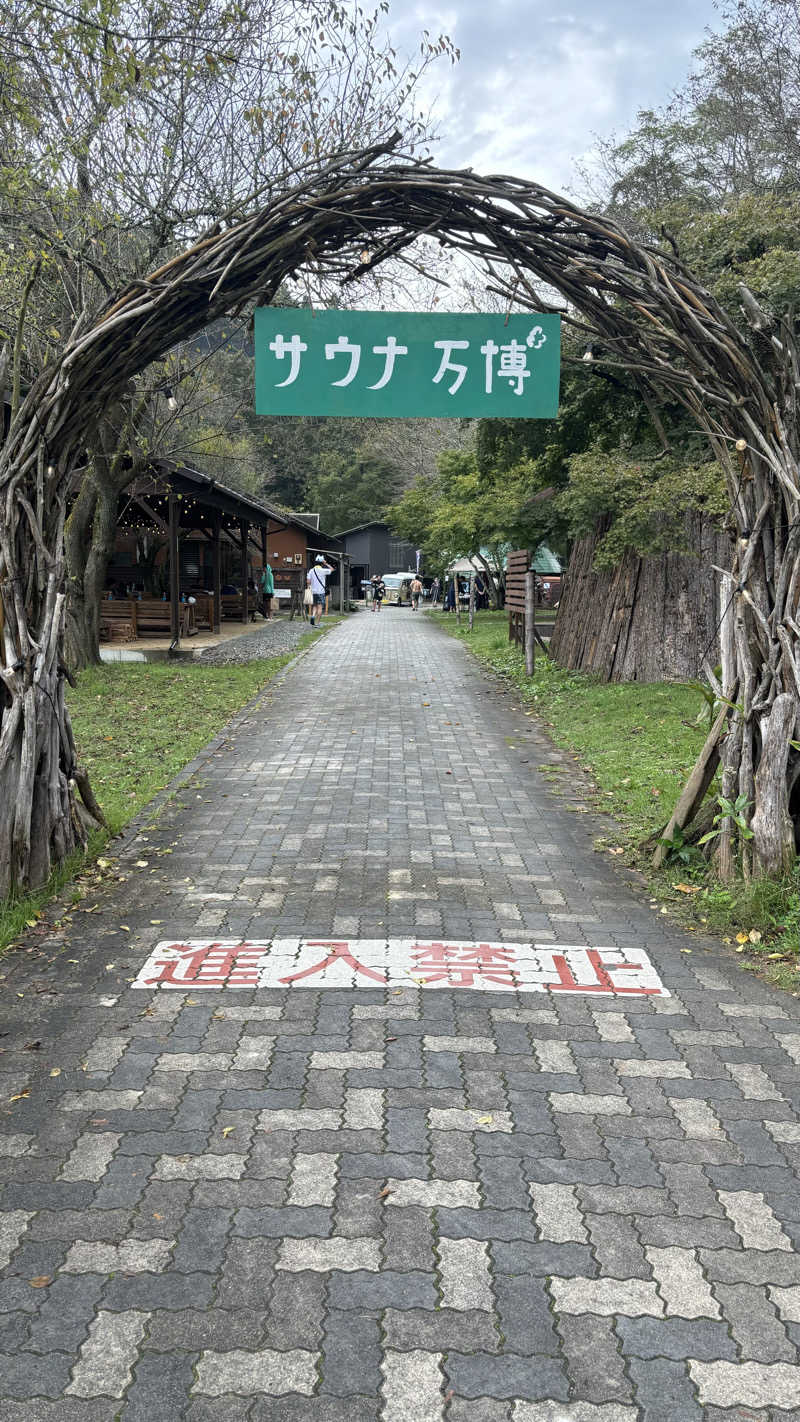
x=464, y=566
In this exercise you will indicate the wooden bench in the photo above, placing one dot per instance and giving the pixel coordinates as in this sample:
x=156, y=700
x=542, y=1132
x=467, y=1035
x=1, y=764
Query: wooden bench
x=233, y=606
x=153, y=615
x=118, y=621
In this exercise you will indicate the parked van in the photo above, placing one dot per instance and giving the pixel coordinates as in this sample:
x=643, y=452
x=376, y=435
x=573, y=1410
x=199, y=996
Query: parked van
x=398, y=588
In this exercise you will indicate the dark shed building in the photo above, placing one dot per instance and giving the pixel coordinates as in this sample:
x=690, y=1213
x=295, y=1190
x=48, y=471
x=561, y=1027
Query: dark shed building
x=372, y=548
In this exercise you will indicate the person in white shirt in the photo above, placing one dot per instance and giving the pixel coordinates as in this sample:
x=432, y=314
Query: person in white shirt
x=317, y=578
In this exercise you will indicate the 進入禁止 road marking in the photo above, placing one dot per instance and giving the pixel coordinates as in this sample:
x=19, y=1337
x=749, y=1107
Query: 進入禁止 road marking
x=399, y=962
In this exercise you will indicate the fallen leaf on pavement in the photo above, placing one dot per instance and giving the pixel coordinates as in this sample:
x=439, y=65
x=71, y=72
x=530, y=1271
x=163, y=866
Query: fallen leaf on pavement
x=41, y=1281
x=228, y=1131
x=56, y=1071
x=20, y=1095
x=383, y=1193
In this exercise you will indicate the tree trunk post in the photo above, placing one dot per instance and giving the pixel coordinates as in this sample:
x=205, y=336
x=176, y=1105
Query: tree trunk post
x=457, y=596
x=772, y=828
x=174, y=570
x=244, y=531
x=217, y=573
x=471, y=601
x=530, y=622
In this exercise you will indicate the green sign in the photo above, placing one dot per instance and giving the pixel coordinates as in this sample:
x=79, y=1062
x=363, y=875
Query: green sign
x=405, y=363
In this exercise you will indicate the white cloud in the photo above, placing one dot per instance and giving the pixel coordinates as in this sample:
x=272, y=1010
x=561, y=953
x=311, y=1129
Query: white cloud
x=534, y=86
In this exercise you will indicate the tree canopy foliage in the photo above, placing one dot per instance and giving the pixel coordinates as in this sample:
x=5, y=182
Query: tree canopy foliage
x=126, y=128
x=714, y=178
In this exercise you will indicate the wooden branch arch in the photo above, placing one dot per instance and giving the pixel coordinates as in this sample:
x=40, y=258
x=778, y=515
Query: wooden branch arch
x=652, y=316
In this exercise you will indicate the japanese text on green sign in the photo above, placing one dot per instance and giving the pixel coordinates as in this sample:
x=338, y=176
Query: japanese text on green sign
x=406, y=363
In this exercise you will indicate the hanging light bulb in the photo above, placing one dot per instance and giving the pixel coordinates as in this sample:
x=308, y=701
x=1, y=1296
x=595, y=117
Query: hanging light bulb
x=172, y=403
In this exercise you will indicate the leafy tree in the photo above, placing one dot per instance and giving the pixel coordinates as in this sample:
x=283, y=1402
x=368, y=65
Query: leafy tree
x=731, y=130
x=126, y=129
x=457, y=513
x=714, y=178
x=641, y=501
x=346, y=492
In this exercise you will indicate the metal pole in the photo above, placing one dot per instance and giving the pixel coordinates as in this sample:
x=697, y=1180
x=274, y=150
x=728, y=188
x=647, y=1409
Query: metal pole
x=471, y=600
x=340, y=556
x=457, y=592
x=530, y=622
x=244, y=532
x=218, y=573
x=174, y=571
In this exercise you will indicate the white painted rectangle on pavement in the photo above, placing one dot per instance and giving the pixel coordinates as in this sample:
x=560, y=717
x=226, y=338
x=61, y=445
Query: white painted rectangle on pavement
x=399, y=962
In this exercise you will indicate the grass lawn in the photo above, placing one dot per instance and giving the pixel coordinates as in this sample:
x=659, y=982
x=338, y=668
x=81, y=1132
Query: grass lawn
x=136, y=725
x=639, y=741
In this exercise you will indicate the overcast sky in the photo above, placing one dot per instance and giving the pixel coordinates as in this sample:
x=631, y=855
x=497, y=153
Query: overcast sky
x=536, y=83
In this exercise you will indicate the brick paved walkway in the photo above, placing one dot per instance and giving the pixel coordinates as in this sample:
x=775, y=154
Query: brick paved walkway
x=402, y=1204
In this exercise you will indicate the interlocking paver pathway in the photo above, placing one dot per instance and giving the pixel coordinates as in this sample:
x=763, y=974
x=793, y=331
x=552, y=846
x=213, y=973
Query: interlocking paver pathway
x=407, y=1202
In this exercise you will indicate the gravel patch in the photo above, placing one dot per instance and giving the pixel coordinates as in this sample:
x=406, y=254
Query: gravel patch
x=267, y=639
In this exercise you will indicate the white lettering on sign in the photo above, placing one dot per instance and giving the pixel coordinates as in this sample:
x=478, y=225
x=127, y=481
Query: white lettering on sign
x=398, y=962
x=513, y=365
x=293, y=348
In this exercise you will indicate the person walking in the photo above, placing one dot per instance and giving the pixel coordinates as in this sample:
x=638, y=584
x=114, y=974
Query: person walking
x=416, y=593
x=378, y=590
x=435, y=585
x=317, y=578
x=267, y=585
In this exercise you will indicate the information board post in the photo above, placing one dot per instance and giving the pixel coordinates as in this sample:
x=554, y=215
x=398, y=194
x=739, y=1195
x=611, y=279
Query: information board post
x=530, y=622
